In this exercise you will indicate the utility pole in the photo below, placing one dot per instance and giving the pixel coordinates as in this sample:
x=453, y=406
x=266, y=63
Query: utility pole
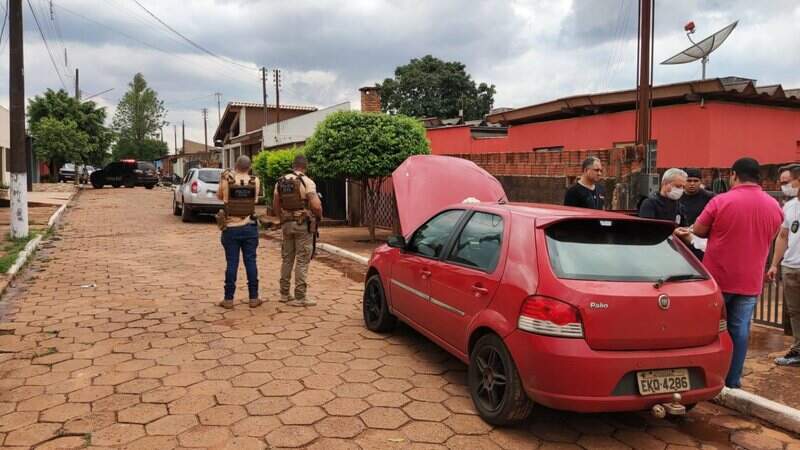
x=264, y=91
x=78, y=98
x=183, y=135
x=277, y=75
x=175, y=129
x=219, y=106
x=18, y=192
x=205, y=127
x=77, y=84
x=644, y=84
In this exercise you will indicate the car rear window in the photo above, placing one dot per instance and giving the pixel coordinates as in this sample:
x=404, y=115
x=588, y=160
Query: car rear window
x=146, y=166
x=619, y=250
x=209, y=176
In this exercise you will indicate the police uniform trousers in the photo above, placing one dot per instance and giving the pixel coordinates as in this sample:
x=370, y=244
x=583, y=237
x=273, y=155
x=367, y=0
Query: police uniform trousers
x=295, y=253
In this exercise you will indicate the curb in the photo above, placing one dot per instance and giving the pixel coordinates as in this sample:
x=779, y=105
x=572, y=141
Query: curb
x=765, y=409
x=30, y=247
x=342, y=253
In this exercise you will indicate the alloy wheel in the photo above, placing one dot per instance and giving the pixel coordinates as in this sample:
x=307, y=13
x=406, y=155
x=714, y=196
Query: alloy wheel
x=493, y=378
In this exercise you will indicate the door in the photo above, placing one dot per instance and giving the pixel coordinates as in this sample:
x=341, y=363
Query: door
x=464, y=282
x=411, y=272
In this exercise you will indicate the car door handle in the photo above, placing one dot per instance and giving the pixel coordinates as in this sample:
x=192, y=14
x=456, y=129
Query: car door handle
x=479, y=290
x=425, y=273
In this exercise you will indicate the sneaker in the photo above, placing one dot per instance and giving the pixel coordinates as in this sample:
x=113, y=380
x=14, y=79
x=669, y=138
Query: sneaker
x=790, y=359
x=297, y=303
x=255, y=302
x=286, y=298
x=227, y=304
x=310, y=302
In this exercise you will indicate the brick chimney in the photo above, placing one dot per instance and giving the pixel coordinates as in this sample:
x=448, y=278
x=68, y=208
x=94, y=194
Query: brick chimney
x=370, y=99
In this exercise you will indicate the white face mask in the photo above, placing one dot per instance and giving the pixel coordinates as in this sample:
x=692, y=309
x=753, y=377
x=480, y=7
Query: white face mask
x=789, y=190
x=675, y=193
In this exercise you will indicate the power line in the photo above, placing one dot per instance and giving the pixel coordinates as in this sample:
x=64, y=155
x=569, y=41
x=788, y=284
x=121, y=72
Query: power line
x=194, y=44
x=47, y=46
x=132, y=38
x=3, y=30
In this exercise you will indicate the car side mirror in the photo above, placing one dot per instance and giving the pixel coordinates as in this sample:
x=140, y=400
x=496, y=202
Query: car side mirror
x=396, y=241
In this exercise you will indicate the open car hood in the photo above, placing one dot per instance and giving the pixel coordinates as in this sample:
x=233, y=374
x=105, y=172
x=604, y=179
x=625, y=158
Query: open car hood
x=425, y=184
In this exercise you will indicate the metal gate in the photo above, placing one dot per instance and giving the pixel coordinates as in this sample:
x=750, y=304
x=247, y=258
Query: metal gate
x=334, y=202
x=769, y=308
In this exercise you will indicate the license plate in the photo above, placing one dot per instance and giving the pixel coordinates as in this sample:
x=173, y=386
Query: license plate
x=666, y=381
x=212, y=192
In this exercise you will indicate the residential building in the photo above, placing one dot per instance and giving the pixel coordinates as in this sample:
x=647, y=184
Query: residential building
x=296, y=130
x=240, y=131
x=707, y=124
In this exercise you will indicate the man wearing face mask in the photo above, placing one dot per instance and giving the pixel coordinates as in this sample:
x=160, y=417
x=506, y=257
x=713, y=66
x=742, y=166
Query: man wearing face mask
x=787, y=259
x=785, y=179
x=664, y=204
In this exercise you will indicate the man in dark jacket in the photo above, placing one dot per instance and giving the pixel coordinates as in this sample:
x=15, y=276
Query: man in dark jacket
x=664, y=205
x=695, y=198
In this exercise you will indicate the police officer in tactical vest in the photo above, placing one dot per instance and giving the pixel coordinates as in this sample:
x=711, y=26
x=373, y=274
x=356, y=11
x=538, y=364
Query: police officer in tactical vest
x=296, y=202
x=239, y=191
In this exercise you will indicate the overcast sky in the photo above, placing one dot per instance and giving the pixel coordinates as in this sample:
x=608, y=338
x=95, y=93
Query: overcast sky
x=532, y=50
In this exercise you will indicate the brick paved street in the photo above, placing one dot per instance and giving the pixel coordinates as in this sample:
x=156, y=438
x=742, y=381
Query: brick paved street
x=112, y=340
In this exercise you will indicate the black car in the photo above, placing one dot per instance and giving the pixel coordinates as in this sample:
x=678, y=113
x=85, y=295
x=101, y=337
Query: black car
x=128, y=173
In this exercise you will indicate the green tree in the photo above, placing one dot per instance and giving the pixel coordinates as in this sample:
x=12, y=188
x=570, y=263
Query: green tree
x=271, y=165
x=365, y=148
x=59, y=141
x=147, y=150
x=87, y=116
x=430, y=87
x=137, y=122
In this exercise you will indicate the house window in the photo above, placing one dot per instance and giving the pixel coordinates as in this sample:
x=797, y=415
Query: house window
x=556, y=149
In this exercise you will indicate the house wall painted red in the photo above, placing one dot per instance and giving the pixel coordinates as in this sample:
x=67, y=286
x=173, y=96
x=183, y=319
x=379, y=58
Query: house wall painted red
x=713, y=135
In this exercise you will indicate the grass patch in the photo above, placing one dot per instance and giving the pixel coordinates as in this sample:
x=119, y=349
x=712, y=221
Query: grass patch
x=12, y=248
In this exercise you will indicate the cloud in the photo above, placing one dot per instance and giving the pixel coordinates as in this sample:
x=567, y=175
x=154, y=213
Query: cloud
x=532, y=50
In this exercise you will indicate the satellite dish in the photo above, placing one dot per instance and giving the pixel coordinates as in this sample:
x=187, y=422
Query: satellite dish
x=701, y=50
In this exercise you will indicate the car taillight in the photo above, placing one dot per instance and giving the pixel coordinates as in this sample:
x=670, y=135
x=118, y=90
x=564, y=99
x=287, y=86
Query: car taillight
x=723, y=321
x=194, y=187
x=542, y=315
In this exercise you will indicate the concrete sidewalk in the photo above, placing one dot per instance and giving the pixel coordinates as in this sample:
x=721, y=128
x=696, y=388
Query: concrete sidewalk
x=762, y=376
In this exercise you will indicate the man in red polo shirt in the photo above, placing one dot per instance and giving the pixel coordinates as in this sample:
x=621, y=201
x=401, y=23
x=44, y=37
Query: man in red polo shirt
x=740, y=226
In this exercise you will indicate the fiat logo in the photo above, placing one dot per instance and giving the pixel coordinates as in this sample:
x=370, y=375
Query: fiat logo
x=663, y=301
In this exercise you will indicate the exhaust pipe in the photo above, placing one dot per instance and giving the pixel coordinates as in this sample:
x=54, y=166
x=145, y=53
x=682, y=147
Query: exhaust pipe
x=675, y=408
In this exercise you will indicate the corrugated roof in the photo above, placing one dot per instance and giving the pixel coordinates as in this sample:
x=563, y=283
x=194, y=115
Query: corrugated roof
x=261, y=105
x=736, y=89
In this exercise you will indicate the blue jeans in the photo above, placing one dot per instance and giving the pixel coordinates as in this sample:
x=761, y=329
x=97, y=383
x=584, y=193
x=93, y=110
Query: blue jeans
x=740, y=311
x=242, y=239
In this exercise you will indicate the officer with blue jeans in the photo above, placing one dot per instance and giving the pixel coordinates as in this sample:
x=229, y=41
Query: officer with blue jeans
x=239, y=191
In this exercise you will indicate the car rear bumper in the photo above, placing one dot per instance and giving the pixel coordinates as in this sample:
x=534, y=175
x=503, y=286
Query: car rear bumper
x=207, y=208
x=146, y=181
x=566, y=374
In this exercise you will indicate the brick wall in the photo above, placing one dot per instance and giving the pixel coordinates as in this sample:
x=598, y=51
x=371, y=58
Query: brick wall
x=617, y=162
x=370, y=99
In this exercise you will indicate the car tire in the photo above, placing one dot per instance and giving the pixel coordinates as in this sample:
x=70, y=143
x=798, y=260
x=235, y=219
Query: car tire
x=186, y=213
x=176, y=210
x=97, y=185
x=149, y=186
x=375, y=309
x=498, y=403
x=129, y=182
x=115, y=185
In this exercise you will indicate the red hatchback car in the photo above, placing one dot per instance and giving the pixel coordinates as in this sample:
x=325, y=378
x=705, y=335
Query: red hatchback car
x=573, y=309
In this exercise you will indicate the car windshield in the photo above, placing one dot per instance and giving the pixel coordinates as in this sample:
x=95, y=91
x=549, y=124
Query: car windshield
x=618, y=250
x=68, y=166
x=209, y=176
